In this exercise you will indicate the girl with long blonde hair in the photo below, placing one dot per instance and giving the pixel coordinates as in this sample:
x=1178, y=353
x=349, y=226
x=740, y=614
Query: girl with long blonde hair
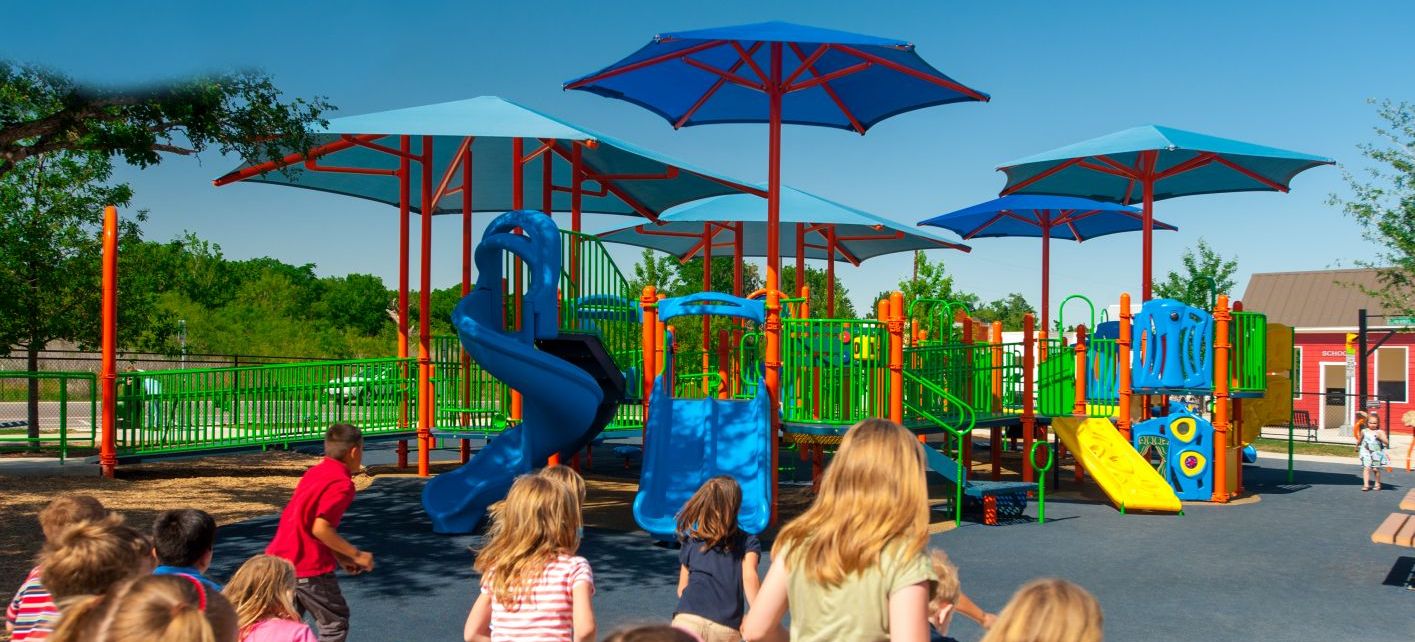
x=533, y=585
x=717, y=564
x=853, y=566
x=263, y=594
x=1049, y=610
x=152, y=608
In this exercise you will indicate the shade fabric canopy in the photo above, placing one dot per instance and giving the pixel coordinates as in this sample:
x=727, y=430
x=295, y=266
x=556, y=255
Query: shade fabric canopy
x=1058, y=217
x=1110, y=167
x=858, y=235
x=828, y=78
x=622, y=178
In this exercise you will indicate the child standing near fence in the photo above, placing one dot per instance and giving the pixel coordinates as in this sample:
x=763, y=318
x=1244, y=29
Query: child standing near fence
x=533, y=588
x=853, y=566
x=717, y=563
x=1373, y=451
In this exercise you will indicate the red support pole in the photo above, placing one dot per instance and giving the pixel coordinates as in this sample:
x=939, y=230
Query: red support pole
x=772, y=377
x=648, y=302
x=995, y=435
x=1029, y=418
x=425, y=315
x=1123, y=350
x=737, y=265
x=896, y=357
x=830, y=272
x=1079, y=407
x=465, y=448
x=108, y=370
x=800, y=257
x=1046, y=272
x=707, y=287
x=518, y=201
x=1147, y=224
x=1222, y=348
x=405, y=177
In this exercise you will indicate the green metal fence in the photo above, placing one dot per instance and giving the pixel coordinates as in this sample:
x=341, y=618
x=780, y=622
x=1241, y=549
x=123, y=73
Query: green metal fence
x=166, y=411
x=834, y=371
x=1056, y=380
x=926, y=401
x=465, y=396
x=66, y=412
x=988, y=377
x=1248, y=364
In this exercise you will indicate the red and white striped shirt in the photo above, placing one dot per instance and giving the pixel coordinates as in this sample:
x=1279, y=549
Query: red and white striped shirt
x=32, y=613
x=546, y=614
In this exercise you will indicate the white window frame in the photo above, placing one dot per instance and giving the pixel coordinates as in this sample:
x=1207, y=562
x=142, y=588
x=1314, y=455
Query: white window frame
x=1405, y=370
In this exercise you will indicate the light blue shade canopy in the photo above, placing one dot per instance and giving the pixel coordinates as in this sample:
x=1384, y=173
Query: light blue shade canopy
x=623, y=178
x=857, y=235
x=829, y=78
x=1114, y=167
x=1058, y=217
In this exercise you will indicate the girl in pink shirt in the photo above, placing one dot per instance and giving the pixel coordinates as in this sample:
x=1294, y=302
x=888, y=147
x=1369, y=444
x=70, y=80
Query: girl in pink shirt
x=534, y=588
x=263, y=592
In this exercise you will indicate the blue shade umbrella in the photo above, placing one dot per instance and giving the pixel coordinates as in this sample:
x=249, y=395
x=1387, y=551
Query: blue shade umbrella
x=813, y=227
x=1151, y=163
x=1044, y=217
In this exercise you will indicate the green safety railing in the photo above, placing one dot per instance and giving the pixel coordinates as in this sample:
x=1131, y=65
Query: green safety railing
x=1056, y=380
x=1102, y=377
x=166, y=411
x=970, y=372
x=67, y=409
x=834, y=371
x=465, y=397
x=927, y=401
x=1248, y=363
x=936, y=317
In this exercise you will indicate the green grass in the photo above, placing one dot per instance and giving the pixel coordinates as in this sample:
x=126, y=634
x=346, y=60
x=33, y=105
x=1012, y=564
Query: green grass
x=1305, y=448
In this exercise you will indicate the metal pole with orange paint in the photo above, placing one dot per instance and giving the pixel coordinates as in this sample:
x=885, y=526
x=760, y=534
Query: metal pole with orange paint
x=1029, y=418
x=995, y=432
x=724, y=384
x=648, y=302
x=425, y=402
x=464, y=449
x=1122, y=367
x=1079, y=407
x=108, y=372
x=896, y=357
x=1222, y=346
x=405, y=173
x=1236, y=433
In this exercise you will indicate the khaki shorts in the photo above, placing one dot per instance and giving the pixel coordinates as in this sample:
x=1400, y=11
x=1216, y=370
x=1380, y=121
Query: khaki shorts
x=706, y=629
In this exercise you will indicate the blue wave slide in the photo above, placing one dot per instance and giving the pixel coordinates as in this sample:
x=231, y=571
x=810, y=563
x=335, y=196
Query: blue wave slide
x=688, y=441
x=569, y=387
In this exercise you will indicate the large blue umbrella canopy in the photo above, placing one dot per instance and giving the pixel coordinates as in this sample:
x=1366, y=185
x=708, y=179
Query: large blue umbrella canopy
x=827, y=230
x=623, y=178
x=1150, y=163
x=1044, y=217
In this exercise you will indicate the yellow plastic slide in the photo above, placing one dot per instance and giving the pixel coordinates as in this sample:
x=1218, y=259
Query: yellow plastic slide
x=1122, y=473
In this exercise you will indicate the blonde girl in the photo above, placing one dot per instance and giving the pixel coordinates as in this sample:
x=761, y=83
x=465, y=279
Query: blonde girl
x=152, y=608
x=571, y=479
x=1049, y=610
x=534, y=588
x=717, y=564
x=263, y=594
x=853, y=566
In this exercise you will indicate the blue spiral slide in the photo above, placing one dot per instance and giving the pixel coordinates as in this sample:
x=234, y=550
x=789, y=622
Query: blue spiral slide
x=569, y=386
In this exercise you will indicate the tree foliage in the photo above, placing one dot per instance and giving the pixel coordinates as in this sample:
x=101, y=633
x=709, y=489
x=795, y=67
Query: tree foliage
x=1204, y=274
x=1010, y=310
x=1383, y=204
x=43, y=111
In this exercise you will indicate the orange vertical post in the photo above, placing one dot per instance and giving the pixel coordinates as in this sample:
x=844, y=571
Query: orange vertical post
x=724, y=384
x=662, y=345
x=108, y=372
x=405, y=178
x=1079, y=407
x=648, y=302
x=877, y=393
x=424, y=314
x=1222, y=346
x=1236, y=416
x=1029, y=409
x=896, y=357
x=995, y=432
x=966, y=339
x=1123, y=358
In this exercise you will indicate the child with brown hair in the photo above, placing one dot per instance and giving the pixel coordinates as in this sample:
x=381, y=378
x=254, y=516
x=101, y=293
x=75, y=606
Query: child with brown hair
x=31, y=614
x=572, y=480
x=308, y=535
x=717, y=564
x=1049, y=610
x=91, y=557
x=853, y=566
x=153, y=608
x=263, y=593
x=533, y=588
x=946, y=598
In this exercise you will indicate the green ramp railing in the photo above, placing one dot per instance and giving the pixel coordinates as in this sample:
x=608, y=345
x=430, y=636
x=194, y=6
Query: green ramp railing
x=66, y=410
x=926, y=400
x=172, y=411
x=834, y=371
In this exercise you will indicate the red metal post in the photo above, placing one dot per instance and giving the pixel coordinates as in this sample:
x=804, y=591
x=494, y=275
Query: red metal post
x=1046, y=272
x=708, y=233
x=1147, y=223
x=1079, y=407
x=405, y=177
x=800, y=256
x=1123, y=349
x=995, y=435
x=425, y=402
x=1029, y=418
x=737, y=264
x=724, y=385
x=648, y=302
x=772, y=377
x=518, y=201
x=1222, y=346
x=464, y=449
x=896, y=357
x=108, y=370
x=830, y=272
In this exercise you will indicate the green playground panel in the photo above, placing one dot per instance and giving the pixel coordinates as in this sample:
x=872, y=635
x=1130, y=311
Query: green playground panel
x=1248, y=362
x=1056, y=380
x=968, y=372
x=68, y=407
x=168, y=411
x=465, y=397
x=834, y=371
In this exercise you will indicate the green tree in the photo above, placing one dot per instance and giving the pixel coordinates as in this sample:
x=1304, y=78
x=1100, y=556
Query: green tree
x=1009, y=310
x=659, y=270
x=357, y=302
x=51, y=213
x=1205, y=273
x=1383, y=204
x=43, y=111
x=817, y=282
x=931, y=280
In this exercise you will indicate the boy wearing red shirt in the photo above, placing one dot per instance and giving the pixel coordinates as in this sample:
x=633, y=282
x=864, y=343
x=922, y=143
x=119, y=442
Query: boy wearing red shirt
x=308, y=533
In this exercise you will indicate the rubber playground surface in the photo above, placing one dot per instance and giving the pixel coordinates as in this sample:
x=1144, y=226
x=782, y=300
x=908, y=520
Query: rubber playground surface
x=1297, y=563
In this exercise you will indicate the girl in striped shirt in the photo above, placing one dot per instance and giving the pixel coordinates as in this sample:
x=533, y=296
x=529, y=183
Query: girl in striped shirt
x=534, y=588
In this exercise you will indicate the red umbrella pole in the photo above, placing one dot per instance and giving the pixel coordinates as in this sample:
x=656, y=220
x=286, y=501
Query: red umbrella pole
x=772, y=378
x=404, y=196
x=1046, y=274
x=800, y=258
x=830, y=272
x=424, y=315
x=108, y=370
x=737, y=265
x=1148, y=225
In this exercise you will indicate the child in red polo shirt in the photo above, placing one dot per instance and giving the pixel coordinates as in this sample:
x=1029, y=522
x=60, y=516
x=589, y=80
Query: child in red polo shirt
x=308, y=534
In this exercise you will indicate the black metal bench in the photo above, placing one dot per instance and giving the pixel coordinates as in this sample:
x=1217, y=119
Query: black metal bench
x=1302, y=420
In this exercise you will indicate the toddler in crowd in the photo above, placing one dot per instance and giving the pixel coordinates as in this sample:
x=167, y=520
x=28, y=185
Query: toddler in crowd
x=717, y=569
x=263, y=593
x=853, y=566
x=31, y=614
x=533, y=588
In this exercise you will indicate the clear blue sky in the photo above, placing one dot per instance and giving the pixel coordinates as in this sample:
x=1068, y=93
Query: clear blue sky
x=1287, y=74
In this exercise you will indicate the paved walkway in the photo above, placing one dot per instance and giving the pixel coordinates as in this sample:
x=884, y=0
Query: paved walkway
x=1295, y=564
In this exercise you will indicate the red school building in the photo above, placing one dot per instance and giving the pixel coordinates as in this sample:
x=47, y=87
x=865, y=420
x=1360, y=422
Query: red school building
x=1322, y=307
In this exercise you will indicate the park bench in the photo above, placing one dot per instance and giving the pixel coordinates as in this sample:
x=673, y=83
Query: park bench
x=1302, y=420
x=1409, y=502
x=1397, y=529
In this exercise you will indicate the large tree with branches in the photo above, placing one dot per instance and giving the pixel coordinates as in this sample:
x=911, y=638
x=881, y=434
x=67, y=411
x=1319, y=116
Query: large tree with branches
x=1383, y=204
x=43, y=111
